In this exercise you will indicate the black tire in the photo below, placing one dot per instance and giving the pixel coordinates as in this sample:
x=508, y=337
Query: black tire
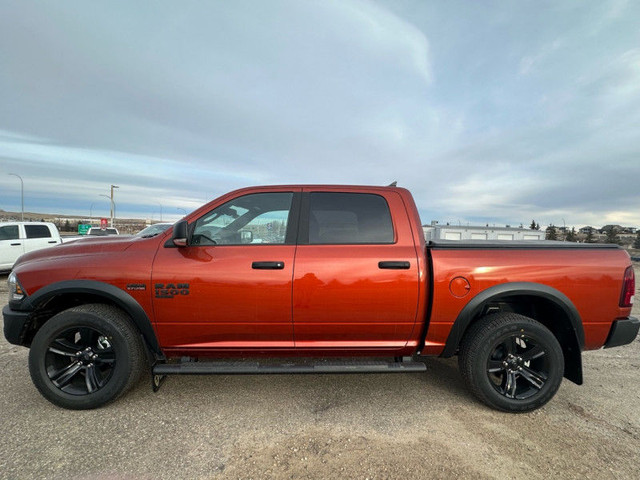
x=511, y=362
x=86, y=357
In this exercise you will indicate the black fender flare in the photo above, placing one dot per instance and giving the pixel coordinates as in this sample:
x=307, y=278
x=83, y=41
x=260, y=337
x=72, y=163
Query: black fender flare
x=93, y=287
x=505, y=290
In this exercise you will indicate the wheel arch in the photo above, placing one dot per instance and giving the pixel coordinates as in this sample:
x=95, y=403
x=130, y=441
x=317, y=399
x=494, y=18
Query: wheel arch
x=59, y=296
x=544, y=304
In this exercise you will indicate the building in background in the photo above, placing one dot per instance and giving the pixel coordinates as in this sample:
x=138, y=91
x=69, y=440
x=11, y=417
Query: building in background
x=458, y=232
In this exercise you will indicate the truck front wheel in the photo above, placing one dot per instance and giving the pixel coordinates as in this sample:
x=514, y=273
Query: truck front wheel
x=86, y=356
x=511, y=362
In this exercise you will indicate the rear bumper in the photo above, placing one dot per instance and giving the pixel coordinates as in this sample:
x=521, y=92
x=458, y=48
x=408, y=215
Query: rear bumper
x=623, y=332
x=15, y=325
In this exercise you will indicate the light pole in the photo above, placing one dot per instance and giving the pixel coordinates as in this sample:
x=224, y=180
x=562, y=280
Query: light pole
x=91, y=212
x=113, y=206
x=160, y=210
x=178, y=208
x=21, y=192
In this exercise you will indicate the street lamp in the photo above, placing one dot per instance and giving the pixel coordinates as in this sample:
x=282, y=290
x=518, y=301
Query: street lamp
x=91, y=212
x=113, y=206
x=160, y=210
x=21, y=192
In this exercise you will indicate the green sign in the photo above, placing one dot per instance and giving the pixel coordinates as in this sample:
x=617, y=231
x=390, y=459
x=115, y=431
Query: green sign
x=83, y=228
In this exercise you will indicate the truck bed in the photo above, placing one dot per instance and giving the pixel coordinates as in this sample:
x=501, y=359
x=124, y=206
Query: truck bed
x=586, y=275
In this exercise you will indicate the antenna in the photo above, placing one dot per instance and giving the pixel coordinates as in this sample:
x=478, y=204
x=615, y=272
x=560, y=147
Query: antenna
x=393, y=184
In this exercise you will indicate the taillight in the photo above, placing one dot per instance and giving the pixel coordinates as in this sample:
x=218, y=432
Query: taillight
x=628, y=288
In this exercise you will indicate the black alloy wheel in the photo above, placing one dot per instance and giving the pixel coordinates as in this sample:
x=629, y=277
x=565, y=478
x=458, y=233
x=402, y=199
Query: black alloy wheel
x=86, y=356
x=511, y=362
x=80, y=360
x=518, y=368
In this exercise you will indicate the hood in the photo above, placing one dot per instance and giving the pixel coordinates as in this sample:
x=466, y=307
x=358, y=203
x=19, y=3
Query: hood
x=84, y=246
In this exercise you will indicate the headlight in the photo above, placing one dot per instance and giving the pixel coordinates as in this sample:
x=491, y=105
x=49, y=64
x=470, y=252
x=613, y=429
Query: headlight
x=15, y=290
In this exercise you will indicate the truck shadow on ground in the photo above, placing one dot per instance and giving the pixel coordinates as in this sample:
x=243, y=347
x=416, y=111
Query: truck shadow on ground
x=440, y=387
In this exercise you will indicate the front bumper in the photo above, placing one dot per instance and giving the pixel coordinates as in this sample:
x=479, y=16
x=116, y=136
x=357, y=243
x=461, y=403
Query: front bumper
x=623, y=332
x=15, y=325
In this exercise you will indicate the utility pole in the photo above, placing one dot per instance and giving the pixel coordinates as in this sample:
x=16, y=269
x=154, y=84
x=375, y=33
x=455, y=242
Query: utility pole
x=21, y=192
x=113, y=204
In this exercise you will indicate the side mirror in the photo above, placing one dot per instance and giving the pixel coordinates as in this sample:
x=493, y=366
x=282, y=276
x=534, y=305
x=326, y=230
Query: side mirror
x=180, y=234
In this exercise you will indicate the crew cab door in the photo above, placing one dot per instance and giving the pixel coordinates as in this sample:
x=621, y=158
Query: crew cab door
x=230, y=288
x=356, y=274
x=38, y=236
x=11, y=245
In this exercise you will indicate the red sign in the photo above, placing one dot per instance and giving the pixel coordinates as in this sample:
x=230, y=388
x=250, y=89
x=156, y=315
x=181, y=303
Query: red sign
x=103, y=223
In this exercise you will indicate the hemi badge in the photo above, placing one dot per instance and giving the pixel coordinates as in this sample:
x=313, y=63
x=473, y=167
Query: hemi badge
x=136, y=286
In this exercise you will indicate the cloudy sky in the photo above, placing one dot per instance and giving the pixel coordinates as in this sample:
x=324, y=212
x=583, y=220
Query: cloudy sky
x=494, y=112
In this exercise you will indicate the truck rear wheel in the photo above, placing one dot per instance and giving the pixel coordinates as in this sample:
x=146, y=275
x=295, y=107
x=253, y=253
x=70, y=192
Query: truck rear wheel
x=86, y=356
x=511, y=362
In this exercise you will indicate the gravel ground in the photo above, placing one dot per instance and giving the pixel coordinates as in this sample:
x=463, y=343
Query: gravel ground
x=335, y=426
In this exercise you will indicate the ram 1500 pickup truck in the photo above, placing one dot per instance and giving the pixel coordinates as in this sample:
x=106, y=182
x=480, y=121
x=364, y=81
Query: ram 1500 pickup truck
x=338, y=277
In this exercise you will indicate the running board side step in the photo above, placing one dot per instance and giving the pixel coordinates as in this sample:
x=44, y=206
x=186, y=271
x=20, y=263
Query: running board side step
x=256, y=368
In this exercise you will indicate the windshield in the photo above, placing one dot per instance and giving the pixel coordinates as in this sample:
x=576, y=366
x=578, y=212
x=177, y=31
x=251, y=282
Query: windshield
x=153, y=230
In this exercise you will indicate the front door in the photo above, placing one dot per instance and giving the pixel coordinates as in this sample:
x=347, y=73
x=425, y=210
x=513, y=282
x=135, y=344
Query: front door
x=230, y=288
x=11, y=246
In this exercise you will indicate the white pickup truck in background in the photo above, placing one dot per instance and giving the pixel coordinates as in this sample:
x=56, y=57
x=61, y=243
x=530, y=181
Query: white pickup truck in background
x=17, y=238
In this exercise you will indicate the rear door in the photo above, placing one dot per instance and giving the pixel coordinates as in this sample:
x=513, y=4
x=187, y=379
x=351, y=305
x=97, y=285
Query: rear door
x=38, y=236
x=11, y=245
x=356, y=272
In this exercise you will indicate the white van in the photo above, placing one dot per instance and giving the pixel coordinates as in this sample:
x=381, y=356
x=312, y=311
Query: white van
x=17, y=238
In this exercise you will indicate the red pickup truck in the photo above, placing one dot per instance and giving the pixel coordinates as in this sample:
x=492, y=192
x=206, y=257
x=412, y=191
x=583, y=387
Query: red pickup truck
x=314, y=279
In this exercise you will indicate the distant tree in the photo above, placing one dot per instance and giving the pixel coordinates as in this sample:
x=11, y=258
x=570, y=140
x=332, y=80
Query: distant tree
x=552, y=233
x=612, y=236
x=537, y=226
x=533, y=225
x=571, y=236
x=590, y=238
x=636, y=242
x=67, y=226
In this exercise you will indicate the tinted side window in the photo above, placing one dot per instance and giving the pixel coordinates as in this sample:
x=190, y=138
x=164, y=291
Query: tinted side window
x=353, y=218
x=259, y=218
x=9, y=232
x=37, y=231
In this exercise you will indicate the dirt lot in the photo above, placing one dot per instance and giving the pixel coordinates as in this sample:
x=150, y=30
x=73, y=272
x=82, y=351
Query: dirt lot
x=336, y=426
